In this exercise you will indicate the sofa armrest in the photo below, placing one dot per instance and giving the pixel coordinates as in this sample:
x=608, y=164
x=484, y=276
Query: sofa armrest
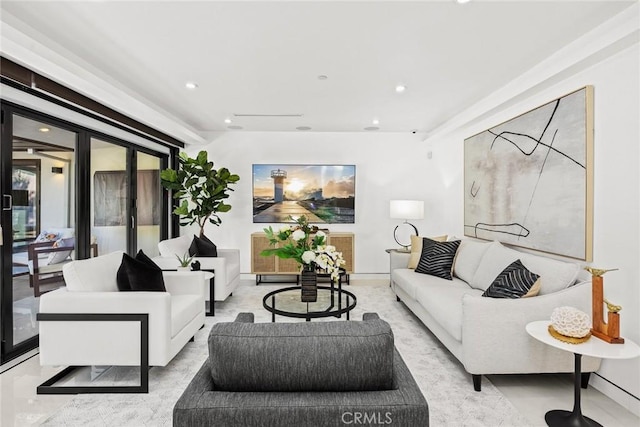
x=102, y=343
x=63, y=301
x=185, y=282
x=244, y=318
x=489, y=323
x=399, y=259
x=231, y=255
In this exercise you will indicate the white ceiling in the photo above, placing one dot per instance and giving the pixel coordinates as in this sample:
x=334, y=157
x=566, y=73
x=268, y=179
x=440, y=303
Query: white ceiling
x=265, y=57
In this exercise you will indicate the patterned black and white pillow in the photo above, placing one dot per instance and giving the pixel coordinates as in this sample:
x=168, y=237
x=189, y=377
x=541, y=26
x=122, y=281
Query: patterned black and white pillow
x=515, y=281
x=437, y=258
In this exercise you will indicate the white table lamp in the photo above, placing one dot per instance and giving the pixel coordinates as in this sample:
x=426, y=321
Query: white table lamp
x=406, y=210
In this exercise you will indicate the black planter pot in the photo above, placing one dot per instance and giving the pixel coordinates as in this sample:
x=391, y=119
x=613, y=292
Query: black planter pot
x=309, y=284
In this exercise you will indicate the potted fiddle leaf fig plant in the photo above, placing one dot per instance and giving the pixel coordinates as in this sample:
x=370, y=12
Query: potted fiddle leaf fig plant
x=200, y=188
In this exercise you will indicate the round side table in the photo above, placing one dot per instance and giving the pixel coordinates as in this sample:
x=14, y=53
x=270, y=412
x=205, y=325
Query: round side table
x=593, y=347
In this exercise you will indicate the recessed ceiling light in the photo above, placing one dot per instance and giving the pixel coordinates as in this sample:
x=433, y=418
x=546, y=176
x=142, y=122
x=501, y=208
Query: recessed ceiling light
x=191, y=85
x=235, y=127
x=463, y=1
x=227, y=120
x=322, y=77
x=375, y=121
x=372, y=128
x=303, y=128
x=44, y=129
x=400, y=88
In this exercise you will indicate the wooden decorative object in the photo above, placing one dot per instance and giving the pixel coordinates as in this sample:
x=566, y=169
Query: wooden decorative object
x=607, y=331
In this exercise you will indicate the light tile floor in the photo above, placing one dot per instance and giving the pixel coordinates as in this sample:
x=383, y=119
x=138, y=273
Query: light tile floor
x=533, y=395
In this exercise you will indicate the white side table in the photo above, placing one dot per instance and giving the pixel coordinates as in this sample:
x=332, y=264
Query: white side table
x=210, y=276
x=593, y=347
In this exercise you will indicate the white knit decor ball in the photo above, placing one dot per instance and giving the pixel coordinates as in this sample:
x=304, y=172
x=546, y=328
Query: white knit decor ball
x=571, y=322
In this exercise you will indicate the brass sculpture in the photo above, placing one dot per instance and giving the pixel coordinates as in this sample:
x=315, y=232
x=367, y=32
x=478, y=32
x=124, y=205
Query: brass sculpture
x=612, y=307
x=597, y=272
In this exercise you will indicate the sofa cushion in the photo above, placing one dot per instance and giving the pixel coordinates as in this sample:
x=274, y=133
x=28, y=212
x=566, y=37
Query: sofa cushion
x=442, y=299
x=408, y=280
x=416, y=248
x=515, y=281
x=468, y=258
x=437, y=258
x=554, y=275
x=93, y=274
x=183, y=309
x=319, y=356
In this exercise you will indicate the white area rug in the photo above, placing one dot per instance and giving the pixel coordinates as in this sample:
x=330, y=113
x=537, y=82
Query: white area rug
x=446, y=386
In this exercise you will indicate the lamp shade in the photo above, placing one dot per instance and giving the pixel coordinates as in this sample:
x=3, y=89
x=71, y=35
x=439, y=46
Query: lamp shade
x=406, y=209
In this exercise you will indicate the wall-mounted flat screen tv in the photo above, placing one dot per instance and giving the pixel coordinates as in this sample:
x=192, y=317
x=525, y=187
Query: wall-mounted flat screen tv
x=323, y=193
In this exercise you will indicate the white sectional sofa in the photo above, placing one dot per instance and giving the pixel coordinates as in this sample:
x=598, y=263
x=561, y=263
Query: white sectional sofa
x=487, y=335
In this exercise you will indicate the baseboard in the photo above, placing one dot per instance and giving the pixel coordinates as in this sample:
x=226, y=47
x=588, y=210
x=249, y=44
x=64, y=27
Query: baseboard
x=615, y=393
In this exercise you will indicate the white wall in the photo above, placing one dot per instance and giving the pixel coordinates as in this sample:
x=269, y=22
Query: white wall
x=388, y=166
x=616, y=192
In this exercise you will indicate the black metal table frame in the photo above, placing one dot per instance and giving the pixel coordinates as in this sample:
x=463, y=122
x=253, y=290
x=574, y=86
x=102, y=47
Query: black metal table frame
x=559, y=417
x=297, y=278
x=313, y=314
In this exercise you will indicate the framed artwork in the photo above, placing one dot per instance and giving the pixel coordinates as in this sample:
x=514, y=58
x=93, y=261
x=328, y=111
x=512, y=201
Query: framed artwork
x=323, y=193
x=529, y=181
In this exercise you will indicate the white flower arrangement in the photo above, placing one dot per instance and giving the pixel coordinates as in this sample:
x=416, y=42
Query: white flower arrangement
x=306, y=244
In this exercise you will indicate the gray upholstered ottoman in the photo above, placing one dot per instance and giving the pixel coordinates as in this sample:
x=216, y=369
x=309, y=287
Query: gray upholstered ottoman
x=302, y=374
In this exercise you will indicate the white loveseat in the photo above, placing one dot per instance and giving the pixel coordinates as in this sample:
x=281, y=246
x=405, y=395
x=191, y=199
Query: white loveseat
x=487, y=335
x=226, y=266
x=173, y=317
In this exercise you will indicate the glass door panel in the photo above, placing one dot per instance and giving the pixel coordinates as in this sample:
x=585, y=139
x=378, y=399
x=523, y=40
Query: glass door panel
x=109, y=196
x=148, y=203
x=42, y=216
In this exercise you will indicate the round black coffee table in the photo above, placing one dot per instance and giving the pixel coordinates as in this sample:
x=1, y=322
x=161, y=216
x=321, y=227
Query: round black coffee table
x=331, y=301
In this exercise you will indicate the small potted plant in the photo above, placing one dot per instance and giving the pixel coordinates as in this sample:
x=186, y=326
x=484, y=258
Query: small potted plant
x=185, y=261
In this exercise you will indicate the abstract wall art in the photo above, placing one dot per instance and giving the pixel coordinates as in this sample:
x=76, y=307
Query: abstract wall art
x=529, y=181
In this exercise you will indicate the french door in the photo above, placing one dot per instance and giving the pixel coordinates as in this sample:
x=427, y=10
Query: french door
x=74, y=188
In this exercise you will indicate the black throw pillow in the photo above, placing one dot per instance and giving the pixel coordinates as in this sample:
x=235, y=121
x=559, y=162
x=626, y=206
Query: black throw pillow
x=143, y=276
x=437, y=258
x=202, y=247
x=514, y=282
x=122, y=278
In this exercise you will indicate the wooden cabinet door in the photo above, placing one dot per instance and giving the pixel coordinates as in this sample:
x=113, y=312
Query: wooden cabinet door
x=344, y=242
x=261, y=264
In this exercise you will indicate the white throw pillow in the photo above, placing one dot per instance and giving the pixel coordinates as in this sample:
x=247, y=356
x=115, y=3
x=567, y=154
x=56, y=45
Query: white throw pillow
x=554, y=275
x=93, y=274
x=58, y=257
x=468, y=258
x=177, y=246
